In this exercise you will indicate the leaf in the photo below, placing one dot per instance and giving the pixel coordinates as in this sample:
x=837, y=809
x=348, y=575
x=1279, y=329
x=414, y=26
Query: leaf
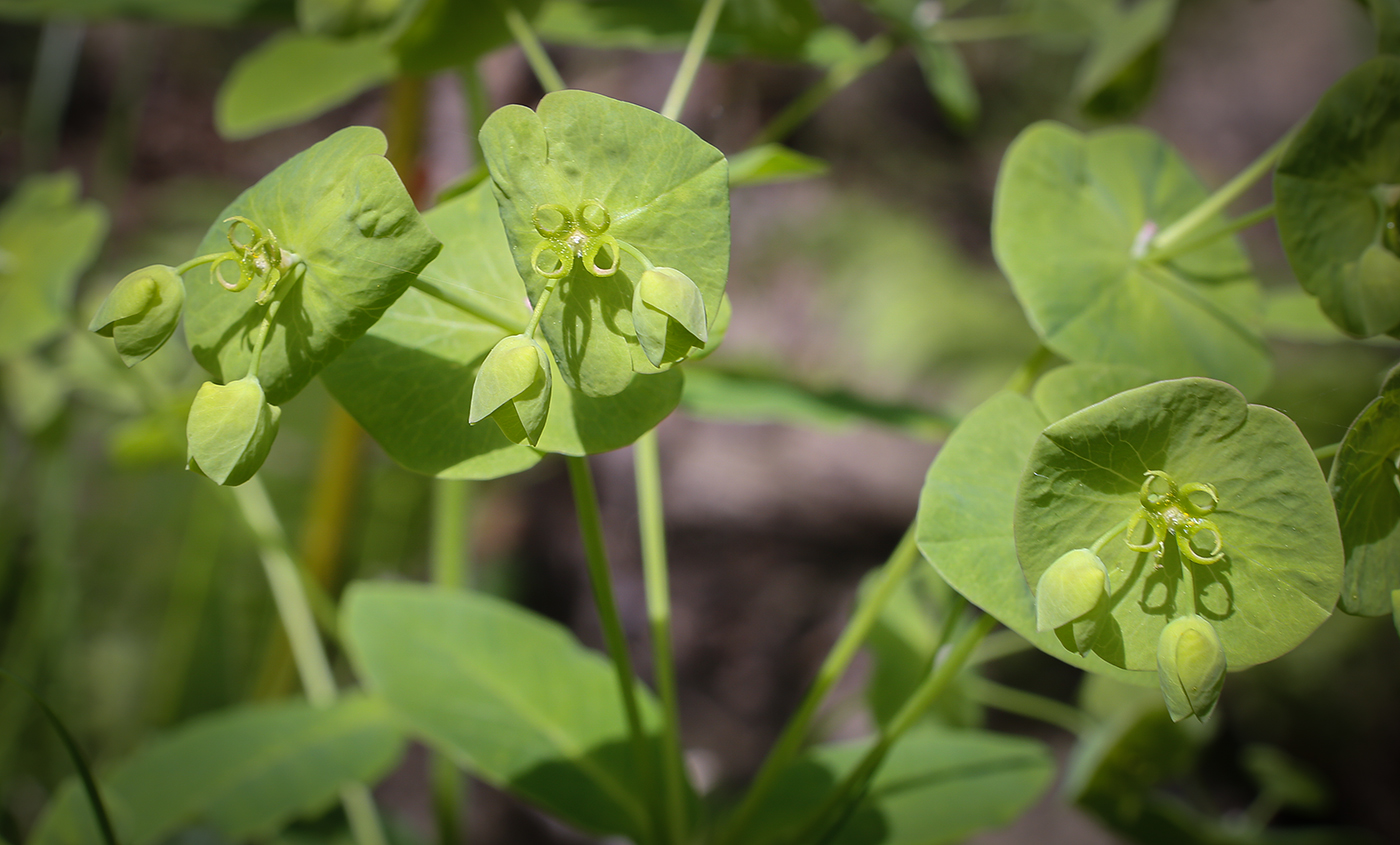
x=1117, y=73
x=776, y=29
x=35, y=392
x=245, y=772
x=1385, y=14
x=1363, y=484
x=965, y=522
x=48, y=237
x=1336, y=191
x=292, y=77
x=948, y=79
x=936, y=785
x=453, y=33
x=341, y=208
x=1072, y=211
x=665, y=190
x=733, y=396
x=1064, y=390
x=409, y=380
x=225, y=13
x=1281, y=570
x=509, y=695
x=770, y=163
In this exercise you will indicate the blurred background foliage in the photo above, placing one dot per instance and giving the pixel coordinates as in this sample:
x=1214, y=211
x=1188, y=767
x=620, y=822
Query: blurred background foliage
x=868, y=316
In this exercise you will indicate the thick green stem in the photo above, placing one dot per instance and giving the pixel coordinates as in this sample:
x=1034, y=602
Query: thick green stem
x=1217, y=202
x=289, y=595
x=873, y=52
x=535, y=55
x=651, y=522
x=591, y=527
x=690, y=61
x=843, y=800
x=1030, y=369
x=896, y=569
x=451, y=571
x=451, y=503
x=1022, y=703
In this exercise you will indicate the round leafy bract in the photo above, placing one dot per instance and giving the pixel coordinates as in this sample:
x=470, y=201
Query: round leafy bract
x=665, y=192
x=965, y=521
x=1363, y=482
x=341, y=208
x=409, y=380
x=1074, y=215
x=1281, y=567
x=1337, y=190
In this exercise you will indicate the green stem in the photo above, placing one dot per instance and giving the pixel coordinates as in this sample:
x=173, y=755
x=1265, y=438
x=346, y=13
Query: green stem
x=203, y=259
x=999, y=645
x=690, y=61
x=263, y=331
x=1188, y=580
x=60, y=45
x=1030, y=369
x=289, y=595
x=1322, y=453
x=474, y=92
x=502, y=321
x=1217, y=202
x=538, y=313
x=873, y=52
x=591, y=527
x=651, y=522
x=450, y=571
x=983, y=28
x=896, y=569
x=451, y=502
x=838, y=807
x=535, y=55
x=1022, y=703
x=635, y=253
x=1110, y=534
x=1239, y=224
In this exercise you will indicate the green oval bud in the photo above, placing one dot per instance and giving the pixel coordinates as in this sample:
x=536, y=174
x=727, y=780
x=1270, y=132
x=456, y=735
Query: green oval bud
x=141, y=312
x=230, y=430
x=1071, y=588
x=513, y=388
x=668, y=313
x=1190, y=667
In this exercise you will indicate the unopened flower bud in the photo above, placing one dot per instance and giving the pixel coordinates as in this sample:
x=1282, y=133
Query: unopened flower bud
x=230, y=430
x=1190, y=667
x=513, y=388
x=141, y=312
x=668, y=314
x=1069, y=589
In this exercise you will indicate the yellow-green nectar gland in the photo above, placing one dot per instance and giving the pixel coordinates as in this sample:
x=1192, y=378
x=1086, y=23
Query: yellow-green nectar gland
x=1181, y=512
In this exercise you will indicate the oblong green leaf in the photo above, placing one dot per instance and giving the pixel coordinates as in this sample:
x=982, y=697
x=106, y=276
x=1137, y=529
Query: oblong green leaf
x=1073, y=217
x=509, y=695
x=409, y=380
x=1336, y=189
x=1282, y=554
x=768, y=163
x=48, y=237
x=936, y=785
x=292, y=77
x=966, y=521
x=1363, y=483
x=340, y=207
x=245, y=772
x=666, y=193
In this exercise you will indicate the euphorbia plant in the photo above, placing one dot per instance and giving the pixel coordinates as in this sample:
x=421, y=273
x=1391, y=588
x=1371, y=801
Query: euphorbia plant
x=1127, y=510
